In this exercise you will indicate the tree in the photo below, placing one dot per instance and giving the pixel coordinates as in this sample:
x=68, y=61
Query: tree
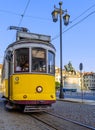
x=57, y=85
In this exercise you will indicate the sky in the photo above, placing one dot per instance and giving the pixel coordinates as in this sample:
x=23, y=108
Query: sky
x=78, y=38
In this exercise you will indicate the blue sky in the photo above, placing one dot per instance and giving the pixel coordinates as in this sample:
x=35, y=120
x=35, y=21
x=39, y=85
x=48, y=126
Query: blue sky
x=78, y=40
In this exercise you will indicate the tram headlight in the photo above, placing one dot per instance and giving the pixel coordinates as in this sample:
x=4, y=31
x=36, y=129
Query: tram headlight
x=39, y=89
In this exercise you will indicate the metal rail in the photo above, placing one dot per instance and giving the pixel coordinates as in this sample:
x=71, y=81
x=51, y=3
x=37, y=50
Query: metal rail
x=75, y=122
x=48, y=124
x=41, y=117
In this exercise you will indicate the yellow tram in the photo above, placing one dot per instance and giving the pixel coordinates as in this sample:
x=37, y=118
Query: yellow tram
x=28, y=74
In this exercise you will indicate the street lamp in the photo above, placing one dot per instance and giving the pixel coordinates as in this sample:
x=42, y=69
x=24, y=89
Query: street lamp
x=66, y=22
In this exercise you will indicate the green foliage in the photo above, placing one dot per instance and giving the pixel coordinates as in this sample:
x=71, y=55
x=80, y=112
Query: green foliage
x=57, y=85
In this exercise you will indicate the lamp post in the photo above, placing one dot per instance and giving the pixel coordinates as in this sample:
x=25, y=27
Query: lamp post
x=66, y=22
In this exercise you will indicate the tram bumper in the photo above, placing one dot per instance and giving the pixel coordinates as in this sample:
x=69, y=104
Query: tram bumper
x=37, y=108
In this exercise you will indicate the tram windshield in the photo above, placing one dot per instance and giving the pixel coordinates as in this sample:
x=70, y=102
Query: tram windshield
x=21, y=60
x=38, y=60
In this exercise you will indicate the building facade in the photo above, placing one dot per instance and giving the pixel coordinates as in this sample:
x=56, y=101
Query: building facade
x=71, y=81
x=89, y=81
x=78, y=81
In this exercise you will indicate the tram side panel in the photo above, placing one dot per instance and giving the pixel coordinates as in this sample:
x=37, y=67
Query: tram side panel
x=5, y=79
x=5, y=88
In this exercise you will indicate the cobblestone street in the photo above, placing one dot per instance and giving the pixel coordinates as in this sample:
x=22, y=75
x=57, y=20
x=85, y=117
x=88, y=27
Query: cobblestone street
x=80, y=112
x=15, y=120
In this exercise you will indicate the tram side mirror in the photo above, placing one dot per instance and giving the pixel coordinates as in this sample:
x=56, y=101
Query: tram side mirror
x=9, y=55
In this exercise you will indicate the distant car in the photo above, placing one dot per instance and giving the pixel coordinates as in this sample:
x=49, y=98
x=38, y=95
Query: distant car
x=69, y=90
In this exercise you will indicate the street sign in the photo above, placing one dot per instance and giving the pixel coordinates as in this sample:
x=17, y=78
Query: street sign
x=81, y=66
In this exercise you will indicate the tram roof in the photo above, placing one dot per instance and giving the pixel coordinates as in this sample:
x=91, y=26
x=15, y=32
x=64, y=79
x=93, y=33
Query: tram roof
x=25, y=37
x=30, y=36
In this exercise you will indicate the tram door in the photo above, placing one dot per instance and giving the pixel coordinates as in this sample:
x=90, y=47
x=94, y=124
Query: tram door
x=8, y=72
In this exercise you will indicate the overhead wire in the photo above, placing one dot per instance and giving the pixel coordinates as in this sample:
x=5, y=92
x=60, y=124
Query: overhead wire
x=29, y=16
x=74, y=25
x=78, y=21
x=40, y=18
x=33, y=17
x=9, y=12
x=22, y=16
x=83, y=12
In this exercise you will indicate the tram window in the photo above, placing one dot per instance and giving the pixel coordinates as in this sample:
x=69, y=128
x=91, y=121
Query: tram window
x=51, y=62
x=21, y=60
x=38, y=60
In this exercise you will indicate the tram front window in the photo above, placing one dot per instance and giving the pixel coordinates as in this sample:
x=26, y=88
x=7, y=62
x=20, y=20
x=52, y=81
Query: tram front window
x=21, y=60
x=51, y=62
x=38, y=60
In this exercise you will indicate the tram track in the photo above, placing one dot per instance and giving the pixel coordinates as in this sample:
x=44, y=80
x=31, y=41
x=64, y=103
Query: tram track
x=58, y=122
x=54, y=121
x=72, y=121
